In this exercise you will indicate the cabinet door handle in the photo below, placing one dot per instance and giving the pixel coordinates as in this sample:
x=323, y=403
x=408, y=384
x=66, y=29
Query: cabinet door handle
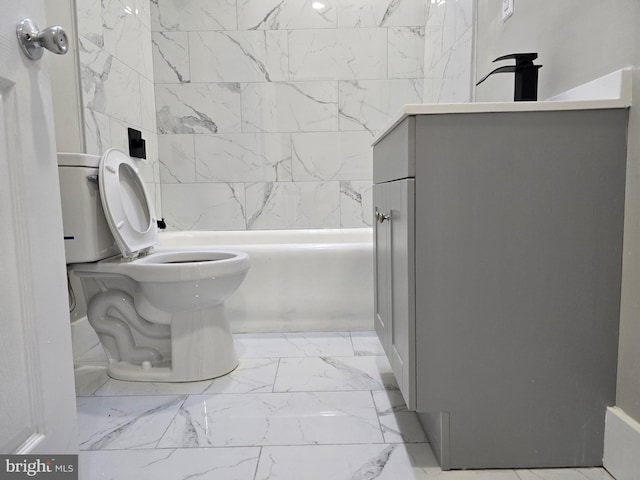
x=381, y=217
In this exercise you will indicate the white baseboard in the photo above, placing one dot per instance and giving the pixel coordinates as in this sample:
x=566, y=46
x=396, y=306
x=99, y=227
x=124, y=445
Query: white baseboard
x=621, y=445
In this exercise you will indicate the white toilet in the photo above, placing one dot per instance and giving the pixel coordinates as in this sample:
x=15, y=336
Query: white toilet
x=160, y=315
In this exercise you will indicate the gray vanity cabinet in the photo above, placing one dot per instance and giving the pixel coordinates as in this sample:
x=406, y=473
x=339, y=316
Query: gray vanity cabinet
x=498, y=268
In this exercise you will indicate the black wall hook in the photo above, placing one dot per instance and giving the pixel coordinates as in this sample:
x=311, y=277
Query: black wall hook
x=137, y=145
x=526, y=75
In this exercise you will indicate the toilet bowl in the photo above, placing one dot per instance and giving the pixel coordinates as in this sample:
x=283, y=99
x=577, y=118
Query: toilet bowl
x=159, y=315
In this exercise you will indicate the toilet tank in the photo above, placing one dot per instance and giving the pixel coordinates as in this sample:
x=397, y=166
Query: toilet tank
x=87, y=237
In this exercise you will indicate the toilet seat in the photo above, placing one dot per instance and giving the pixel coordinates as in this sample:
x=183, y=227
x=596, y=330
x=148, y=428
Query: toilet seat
x=125, y=201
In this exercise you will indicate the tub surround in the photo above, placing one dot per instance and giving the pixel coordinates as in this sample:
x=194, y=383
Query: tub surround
x=209, y=73
x=266, y=110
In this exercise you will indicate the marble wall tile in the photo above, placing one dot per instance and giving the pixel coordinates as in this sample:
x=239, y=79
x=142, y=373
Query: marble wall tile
x=464, y=16
x=147, y=105
x=338, y=54
x=381, y=13
x=247, y=157
x=332, y=156
x=293, y=205
x=356, y=203
x=126, y=37
x=89, y=20
x=457, y=79
x=285, y=15
x=158, y=200
x=121, y=94
x=450, y=80
x=238, y=56
x=149, y=167
x=97, y=132
x=406, y=52
x=447, y=23
x=119, y=134
x=177, y=158
x=370, y=104
x=95, y=67
x=141, y=9
x=152, y=198
x=204, y=206
x=282, y=99
x=198, y=108
x=433, y=48
x=290, y=107
x=151, y=139
x=193, y=15
x=171, y=57
x=108, y=85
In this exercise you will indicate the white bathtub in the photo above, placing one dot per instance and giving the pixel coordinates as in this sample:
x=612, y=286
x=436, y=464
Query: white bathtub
x=300, y=280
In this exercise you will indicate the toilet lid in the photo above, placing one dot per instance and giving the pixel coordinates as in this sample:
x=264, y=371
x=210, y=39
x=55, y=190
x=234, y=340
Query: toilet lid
x=126, y=205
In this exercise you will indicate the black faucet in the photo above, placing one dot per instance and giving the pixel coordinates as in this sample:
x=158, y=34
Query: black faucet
x=526, y=81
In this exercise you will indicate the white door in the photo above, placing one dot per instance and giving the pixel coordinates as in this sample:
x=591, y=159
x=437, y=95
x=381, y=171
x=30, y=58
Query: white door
x=37, y=401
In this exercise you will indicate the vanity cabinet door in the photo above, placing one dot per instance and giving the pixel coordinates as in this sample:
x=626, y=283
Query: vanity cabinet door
x=395, y=279
x=382, y=267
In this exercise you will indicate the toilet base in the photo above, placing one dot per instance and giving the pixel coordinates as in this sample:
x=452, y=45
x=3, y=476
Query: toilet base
x=136, y=373
x=202, y=348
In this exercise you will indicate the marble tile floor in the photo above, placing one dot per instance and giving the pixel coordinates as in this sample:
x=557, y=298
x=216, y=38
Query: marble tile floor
x=312, y=406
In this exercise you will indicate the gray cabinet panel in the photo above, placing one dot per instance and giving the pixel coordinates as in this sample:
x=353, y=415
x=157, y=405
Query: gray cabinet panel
x=518, y=250
x=394, y=158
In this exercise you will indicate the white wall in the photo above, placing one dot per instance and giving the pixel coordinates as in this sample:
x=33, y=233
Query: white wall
x=579, y=41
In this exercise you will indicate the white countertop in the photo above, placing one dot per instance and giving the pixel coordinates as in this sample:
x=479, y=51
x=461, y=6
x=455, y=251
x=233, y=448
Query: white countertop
x=611, y=91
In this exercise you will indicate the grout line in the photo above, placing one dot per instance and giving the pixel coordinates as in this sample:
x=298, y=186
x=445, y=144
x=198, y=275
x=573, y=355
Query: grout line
x=275, y=377
x=353, y=347
x=164, y=432
x=255, y=472
x=375, y=409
